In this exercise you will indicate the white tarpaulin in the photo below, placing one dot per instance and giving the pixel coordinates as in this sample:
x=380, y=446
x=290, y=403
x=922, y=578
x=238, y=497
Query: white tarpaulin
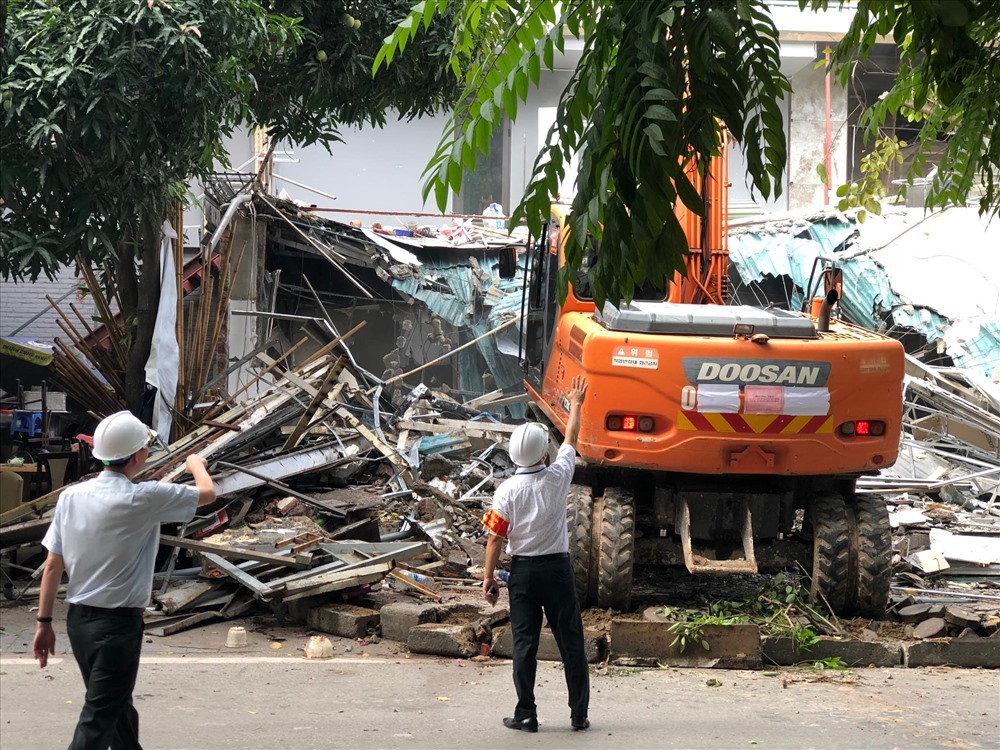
x=164, y=354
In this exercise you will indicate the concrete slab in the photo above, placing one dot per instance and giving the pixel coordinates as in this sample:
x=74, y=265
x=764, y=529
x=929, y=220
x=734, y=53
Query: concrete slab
x=781, y=651
x=345, y=620
x=638, y=642
x=465, y=612
x=443, y=639
x=963, y=652
x=397, y=619
x=594, y=644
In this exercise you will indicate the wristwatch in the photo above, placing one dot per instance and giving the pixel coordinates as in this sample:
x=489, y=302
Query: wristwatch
x=44, y=619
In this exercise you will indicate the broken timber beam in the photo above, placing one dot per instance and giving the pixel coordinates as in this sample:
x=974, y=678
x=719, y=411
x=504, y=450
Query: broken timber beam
x=240, y=576
x=381, y=446
x=310, y=411
x=235, y=552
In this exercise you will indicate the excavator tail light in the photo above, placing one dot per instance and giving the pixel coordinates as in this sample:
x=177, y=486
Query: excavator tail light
x=863, y=428
x=629, y=423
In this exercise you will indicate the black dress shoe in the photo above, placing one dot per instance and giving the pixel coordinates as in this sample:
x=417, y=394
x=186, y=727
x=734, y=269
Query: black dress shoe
x=580, y=724
x=525, y=725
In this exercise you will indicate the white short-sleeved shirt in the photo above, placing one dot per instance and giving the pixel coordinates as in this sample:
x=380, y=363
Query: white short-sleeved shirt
x=107, y=530
x=529, y=508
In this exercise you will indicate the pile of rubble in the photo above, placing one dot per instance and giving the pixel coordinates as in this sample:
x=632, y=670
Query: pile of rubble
x=323, y=487
x=943, y=501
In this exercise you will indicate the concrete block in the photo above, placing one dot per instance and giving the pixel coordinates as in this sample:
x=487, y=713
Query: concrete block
x=647, y=642
x=594, y=645
x=480, y=612
x=781, y=651
x=914, y=613
x=345, y=620
x=961, y=617
x=935, y=627
x=399, y=617
x=443, y=639
x=964, y=652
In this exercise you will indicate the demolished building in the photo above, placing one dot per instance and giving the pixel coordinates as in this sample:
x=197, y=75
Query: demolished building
x=370, y=441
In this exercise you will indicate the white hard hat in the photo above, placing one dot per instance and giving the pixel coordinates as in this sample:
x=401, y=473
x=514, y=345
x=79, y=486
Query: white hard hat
x=119, y=436
x=528, y=444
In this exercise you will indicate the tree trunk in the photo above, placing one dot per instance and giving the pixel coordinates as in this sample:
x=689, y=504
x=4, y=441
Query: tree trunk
x=143, y=298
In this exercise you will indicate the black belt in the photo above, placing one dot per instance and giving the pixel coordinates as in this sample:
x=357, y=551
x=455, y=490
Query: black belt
x=87, y=609
x=542, y=558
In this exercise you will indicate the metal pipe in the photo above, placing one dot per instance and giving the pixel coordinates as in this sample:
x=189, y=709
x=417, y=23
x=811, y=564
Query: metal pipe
x=943, y=592
x=234, y=206
x=823, y=322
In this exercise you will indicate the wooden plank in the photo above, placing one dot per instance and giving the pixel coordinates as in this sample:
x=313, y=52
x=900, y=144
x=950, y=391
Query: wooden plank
x=520, y=398
x=487, y=398
x=300, y=427
x=386, y=450
x=183, y=595
x=240, y=576
x=395, y=575
x=234, y=552
x=469, y=428
x=351, y=579
x=299, y=382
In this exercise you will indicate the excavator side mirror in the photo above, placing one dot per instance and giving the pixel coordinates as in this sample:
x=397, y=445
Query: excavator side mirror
x=508, y=263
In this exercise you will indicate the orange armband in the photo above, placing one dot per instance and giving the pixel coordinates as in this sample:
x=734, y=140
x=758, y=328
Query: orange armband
x=496, y=523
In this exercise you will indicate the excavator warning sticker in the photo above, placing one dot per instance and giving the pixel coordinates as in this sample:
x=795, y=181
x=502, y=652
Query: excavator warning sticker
x=636, y=356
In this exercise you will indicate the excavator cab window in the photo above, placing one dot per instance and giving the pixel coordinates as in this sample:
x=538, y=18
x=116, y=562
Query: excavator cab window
x=542, y=304
x=581, y=287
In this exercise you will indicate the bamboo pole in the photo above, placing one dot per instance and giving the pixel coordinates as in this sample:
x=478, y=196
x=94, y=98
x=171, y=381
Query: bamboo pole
x=222, y=303
x=181, y=390
x=105, y=310
x=111, y=375
x=466, y=345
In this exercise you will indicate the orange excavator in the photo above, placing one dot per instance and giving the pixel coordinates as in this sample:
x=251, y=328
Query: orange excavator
x=711, y=431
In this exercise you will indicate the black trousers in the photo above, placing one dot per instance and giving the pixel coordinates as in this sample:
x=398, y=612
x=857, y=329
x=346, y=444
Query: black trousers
x=538, y=584
x=106, y=644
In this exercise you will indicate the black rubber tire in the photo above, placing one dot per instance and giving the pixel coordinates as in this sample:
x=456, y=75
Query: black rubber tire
x=579, y=510
x=871, y=552
x=617, y=545
x=830, y=567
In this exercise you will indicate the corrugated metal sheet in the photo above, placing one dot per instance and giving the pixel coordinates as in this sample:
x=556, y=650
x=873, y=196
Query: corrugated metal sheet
x=445, y=284
x=879, y=261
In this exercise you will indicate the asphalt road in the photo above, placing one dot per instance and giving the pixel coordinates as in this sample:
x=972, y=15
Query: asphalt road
x=208, y=702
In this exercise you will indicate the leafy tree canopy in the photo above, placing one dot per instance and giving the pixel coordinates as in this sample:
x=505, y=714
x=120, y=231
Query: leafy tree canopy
x=657, y=84
x=110, y=106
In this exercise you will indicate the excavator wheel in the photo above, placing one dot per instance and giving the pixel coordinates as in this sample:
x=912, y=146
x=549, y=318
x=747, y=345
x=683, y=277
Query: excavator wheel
x=615, y=512
x=870, y=544
x=579, y=507
x=828, y=520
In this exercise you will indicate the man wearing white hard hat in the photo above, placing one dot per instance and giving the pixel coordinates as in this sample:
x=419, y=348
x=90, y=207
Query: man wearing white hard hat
x=104, y=534
x=529, y=513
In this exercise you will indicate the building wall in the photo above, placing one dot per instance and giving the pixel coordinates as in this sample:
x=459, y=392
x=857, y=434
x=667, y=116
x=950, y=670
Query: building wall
x=807, y=136
x=373, y=169
x=22, y=301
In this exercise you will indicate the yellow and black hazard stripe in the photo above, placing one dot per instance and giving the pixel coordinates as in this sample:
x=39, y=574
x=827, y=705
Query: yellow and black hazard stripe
x=754, y=424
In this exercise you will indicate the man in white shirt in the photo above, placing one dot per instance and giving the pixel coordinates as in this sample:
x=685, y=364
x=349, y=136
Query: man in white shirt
x=529, y=512
x=104, y=534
